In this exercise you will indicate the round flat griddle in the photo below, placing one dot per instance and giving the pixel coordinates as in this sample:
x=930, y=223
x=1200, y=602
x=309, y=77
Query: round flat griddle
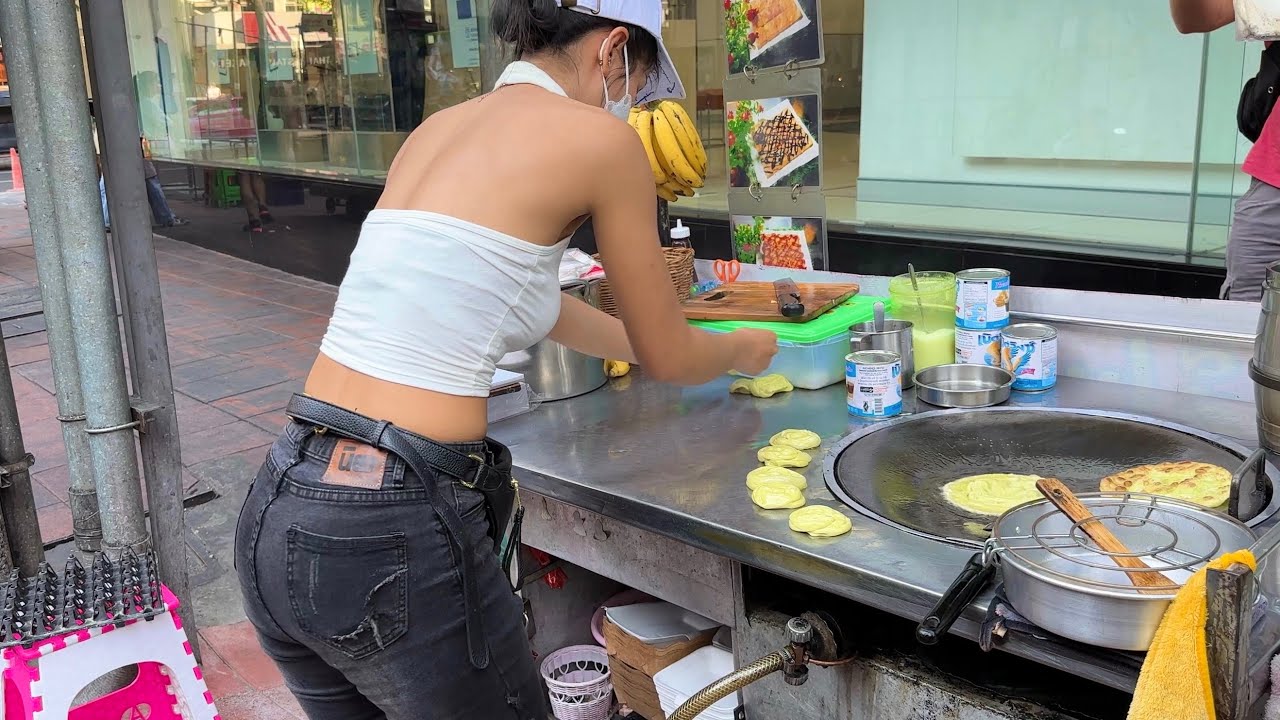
x=894, y=471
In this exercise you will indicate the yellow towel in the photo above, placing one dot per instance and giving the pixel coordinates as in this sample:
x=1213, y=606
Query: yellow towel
x=1166, y=688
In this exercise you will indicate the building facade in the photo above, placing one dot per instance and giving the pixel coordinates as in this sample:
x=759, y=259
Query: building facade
x=1089, y=128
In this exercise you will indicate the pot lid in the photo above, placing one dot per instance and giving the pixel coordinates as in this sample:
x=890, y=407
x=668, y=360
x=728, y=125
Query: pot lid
x=1171, y=537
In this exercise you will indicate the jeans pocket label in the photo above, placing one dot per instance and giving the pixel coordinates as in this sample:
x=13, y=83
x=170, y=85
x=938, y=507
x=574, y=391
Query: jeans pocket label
x=356, y=465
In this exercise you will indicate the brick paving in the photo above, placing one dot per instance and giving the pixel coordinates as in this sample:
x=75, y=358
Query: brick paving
x=241, y=339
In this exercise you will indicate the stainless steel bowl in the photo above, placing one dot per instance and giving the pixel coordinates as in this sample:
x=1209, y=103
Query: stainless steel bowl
x=963, y=386
x=1063, y=583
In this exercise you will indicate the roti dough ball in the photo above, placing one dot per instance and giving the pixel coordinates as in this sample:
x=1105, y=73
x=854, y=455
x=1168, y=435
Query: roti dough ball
x=798, y=439
x=992, y=493
x=762, y=387
x=772, y=473
x=777, y=496
x=783, y=457
x=819, y=521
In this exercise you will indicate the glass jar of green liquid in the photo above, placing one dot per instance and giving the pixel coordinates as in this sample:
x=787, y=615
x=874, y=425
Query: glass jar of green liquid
x=930, y=305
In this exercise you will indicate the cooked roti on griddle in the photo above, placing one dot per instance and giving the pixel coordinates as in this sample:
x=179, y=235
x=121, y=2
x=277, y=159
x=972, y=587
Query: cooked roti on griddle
x=1196, y=482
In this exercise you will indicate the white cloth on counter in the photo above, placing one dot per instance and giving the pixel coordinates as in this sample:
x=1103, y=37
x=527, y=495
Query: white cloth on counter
x=1257, y=19
x=577, y=265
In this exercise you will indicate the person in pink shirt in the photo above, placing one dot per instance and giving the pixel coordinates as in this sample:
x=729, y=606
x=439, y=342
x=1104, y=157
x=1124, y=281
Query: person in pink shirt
x=1255, y=228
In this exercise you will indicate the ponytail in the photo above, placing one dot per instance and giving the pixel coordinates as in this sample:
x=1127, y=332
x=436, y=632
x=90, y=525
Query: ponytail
x=529, y=25
x=534, y=26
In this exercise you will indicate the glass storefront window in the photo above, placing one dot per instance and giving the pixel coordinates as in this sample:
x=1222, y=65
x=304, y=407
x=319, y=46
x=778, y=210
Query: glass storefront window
x=1083, y=124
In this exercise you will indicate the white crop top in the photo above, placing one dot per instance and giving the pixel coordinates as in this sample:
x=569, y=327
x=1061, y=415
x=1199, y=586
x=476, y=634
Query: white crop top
x=434, y=302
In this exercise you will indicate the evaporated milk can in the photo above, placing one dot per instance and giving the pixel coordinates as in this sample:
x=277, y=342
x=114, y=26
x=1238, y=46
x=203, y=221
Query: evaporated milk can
x=1030, y=354
x=873, y=379
x=978, y=347
x=982, y=298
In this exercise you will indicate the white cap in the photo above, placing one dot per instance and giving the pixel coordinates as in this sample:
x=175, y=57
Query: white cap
x=664, y=82
x=679, y=232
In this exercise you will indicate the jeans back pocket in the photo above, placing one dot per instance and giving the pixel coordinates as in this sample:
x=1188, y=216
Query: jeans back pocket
x=349, y=593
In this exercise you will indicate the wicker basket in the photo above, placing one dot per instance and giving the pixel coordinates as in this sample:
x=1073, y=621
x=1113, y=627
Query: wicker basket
x=679, y=265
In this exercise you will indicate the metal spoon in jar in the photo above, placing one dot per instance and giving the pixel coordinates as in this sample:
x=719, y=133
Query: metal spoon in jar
x=915, y=286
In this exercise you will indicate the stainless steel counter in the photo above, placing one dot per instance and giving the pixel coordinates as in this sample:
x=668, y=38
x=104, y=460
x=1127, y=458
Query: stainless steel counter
x=673, y=461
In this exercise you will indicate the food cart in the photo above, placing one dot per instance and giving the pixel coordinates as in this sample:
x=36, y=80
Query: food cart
x=643, y=485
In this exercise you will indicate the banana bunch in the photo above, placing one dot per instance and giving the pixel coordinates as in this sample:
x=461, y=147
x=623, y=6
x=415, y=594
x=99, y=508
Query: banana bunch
x=676, y=154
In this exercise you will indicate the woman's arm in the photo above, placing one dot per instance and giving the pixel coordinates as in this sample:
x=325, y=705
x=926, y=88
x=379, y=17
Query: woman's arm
x=591, y=331
x=1200, y=16
x=623, y=208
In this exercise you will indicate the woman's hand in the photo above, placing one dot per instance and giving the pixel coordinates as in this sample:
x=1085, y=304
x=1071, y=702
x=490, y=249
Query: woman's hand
x=754, y=350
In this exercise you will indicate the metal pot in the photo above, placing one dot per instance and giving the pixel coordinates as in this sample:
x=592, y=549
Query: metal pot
x=553, y=371
x=893, y=336
x=1265, y=368
x=1060, y=581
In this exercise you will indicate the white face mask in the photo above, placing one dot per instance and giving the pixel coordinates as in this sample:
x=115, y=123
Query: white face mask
x=620, y=109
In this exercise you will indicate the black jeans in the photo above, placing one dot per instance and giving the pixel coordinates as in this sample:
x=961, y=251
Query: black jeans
x=356, y=596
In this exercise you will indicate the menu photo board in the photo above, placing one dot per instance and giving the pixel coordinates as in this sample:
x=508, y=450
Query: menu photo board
x=765, y=35
x=795, y=243
x=774, y=142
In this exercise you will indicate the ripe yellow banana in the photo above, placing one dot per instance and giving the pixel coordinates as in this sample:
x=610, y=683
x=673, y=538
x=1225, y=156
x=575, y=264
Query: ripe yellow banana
x=642, y=122
x=675, y=187
x=690, y=143
x=668, y=145
x=616, y=368
x=666, y=194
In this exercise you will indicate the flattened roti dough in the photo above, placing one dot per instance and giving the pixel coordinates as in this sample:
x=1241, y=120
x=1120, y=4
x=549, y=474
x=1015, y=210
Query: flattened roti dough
x=762, y=387
x=991, y=493
x=1200, y=483
x=798, y=439
x=783, y=456
x=773, y=473
x=777, y=496
x=819, y=521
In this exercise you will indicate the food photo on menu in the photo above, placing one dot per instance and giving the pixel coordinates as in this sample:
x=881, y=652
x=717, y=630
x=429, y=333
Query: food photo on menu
x=784, y=242
x=772, y=143
x=764, y=34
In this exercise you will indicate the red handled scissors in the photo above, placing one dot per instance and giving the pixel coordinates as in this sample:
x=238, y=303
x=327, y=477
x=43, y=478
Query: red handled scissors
x=727, y=271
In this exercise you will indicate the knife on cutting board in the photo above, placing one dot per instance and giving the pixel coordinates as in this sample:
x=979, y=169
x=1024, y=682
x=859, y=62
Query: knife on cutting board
x=789, y=303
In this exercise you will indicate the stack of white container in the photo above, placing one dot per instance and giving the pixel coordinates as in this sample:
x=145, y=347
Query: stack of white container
x=685, y=677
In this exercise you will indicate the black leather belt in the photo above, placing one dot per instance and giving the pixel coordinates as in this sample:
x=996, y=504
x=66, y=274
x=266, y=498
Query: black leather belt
x=472, y=471
x=419, y=454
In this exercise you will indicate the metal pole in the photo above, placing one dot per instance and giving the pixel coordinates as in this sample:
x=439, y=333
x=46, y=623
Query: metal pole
x=73, y=170
x=139, y=279
x=17, y=501
x=19, y=56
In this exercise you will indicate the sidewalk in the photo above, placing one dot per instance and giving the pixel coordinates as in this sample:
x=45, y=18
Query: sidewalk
x=241, y=339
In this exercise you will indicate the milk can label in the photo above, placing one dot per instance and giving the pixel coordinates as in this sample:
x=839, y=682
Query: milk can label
x=978, y=347
x=1033, y=362
x=875, y=389
x=982, y=303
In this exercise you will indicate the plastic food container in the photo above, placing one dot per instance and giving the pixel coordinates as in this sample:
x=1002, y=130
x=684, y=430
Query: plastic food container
x=811, y=355
x=931, y=312
x=689, y=675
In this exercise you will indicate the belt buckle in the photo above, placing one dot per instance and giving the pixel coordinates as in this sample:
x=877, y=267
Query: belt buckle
x=475, y=478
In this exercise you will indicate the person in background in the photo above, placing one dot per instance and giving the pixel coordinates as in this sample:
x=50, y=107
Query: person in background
x=253, y=195
x=160, y=210
x=1255, y=227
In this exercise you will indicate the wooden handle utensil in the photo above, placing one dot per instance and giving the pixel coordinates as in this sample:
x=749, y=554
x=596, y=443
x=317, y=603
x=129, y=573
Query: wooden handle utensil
x=1144, y=578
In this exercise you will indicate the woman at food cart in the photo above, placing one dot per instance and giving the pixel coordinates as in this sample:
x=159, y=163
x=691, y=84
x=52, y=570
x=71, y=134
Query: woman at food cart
x=367, y=547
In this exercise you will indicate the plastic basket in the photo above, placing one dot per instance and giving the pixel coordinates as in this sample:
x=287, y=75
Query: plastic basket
x=578, y=683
